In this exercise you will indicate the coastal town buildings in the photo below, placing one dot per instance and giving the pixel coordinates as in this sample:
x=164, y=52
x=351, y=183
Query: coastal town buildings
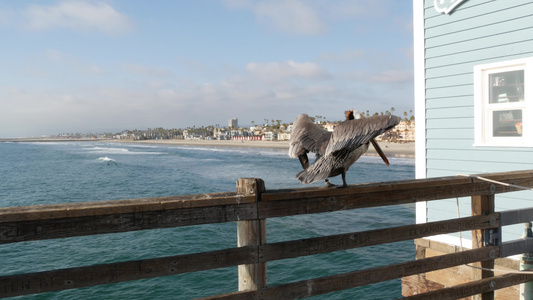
x=404, y=132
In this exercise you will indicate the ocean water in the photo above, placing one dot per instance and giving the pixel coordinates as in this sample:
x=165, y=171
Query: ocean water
x=69, y=172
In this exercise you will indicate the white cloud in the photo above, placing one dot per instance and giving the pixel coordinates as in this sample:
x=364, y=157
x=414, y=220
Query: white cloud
x=343, y=57
x=391, y=76
x=93, y=70
x=146, y=70
x=349, y=9
x=77, y=15
x=310, y=17
x=54, y=63
x=289, y=16
x=278, y=71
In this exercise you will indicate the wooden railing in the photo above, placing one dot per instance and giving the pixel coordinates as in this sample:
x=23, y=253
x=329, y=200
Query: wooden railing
x=250, y=206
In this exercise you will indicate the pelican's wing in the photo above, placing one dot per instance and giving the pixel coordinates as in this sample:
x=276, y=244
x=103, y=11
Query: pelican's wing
x=351, y=134
x=317, y=171
x=307, y=136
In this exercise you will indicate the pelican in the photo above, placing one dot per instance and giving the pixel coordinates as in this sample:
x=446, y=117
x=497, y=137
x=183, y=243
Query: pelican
x=335, y=151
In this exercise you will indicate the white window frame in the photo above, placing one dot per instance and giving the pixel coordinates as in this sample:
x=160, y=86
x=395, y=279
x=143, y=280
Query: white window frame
x=483, y=110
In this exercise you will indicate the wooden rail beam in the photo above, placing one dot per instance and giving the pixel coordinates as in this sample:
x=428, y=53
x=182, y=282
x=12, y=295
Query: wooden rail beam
x=127, y=206
x=319, y=245
x=485, y=285
x=282, y=203
x=18, y=227
x=323, y=285
x=71, y=278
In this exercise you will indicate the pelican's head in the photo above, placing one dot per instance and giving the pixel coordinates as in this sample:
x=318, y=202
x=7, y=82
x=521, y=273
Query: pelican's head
x=352, y=114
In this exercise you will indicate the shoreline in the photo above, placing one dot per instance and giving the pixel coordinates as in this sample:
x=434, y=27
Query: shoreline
x=390, y=149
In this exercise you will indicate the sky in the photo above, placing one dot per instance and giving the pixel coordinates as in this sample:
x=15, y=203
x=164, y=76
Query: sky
x=107, y=66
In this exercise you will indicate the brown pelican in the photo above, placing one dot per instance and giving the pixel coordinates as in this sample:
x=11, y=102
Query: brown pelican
x=336, y=151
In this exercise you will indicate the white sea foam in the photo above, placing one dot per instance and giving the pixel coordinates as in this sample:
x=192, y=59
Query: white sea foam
x=258, y=151
x=215, y=149
x=121, y=151
x=107, y=159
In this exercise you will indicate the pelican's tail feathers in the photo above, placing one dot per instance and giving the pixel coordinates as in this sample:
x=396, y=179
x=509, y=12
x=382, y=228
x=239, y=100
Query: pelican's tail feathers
x=320, y=170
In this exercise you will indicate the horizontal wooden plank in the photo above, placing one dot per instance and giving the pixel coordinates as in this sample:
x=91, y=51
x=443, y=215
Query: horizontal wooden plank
x=464, y=90
x=467, y=67
x=478, y=15
x=485, y=155
x=482, y=41
x=458, y=133
x=520, y=19
x=435, y=143
x=242, y=295
x=474, y=288
x=436, y=103
x=458, y=165
x=524, y=47
x=516, y=216
x=319, y=286
x=56, y=280
x=455, y=80
x=450, y=112
x=450, y=123
x=380, y=194
x=515, y=247
x=312, y=246
x=112, y=223
x=445, y=71
x=84, y=209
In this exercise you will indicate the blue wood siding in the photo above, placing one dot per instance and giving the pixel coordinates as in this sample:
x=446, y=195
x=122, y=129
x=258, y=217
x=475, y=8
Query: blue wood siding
x=477, y=32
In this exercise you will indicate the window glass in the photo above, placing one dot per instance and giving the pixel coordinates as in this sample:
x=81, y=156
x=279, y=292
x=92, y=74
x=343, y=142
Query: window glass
x=507, y=122
x=506, y=87
x=503, y=109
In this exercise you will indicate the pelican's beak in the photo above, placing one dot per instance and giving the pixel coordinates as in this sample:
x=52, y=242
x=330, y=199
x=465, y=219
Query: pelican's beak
x=380, y=152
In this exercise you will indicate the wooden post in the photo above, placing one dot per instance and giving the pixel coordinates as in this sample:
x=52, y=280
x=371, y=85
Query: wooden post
x=251, y=233
x=482, y=205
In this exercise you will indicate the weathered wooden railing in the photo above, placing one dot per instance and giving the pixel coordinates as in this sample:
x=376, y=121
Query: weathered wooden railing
x=251, y=205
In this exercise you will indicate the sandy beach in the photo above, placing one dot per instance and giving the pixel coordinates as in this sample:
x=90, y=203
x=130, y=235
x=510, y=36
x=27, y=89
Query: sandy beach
x=390, y=149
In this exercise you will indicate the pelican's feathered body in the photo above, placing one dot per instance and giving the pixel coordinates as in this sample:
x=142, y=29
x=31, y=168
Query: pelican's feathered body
x=336, y=151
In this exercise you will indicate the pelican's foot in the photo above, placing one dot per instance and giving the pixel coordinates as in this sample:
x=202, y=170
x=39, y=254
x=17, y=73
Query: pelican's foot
x=329, y=184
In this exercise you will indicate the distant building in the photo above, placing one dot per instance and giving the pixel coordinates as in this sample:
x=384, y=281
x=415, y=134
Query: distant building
x=329, y=127
x=233, y=123
x=271, y=136
x=220, y=134
x=284, y=136
x=406, y=131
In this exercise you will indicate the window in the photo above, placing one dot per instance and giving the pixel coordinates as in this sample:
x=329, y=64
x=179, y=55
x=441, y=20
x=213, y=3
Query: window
x=503, y=98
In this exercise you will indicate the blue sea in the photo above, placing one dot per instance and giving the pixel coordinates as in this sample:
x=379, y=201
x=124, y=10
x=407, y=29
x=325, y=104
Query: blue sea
x=70, y=172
